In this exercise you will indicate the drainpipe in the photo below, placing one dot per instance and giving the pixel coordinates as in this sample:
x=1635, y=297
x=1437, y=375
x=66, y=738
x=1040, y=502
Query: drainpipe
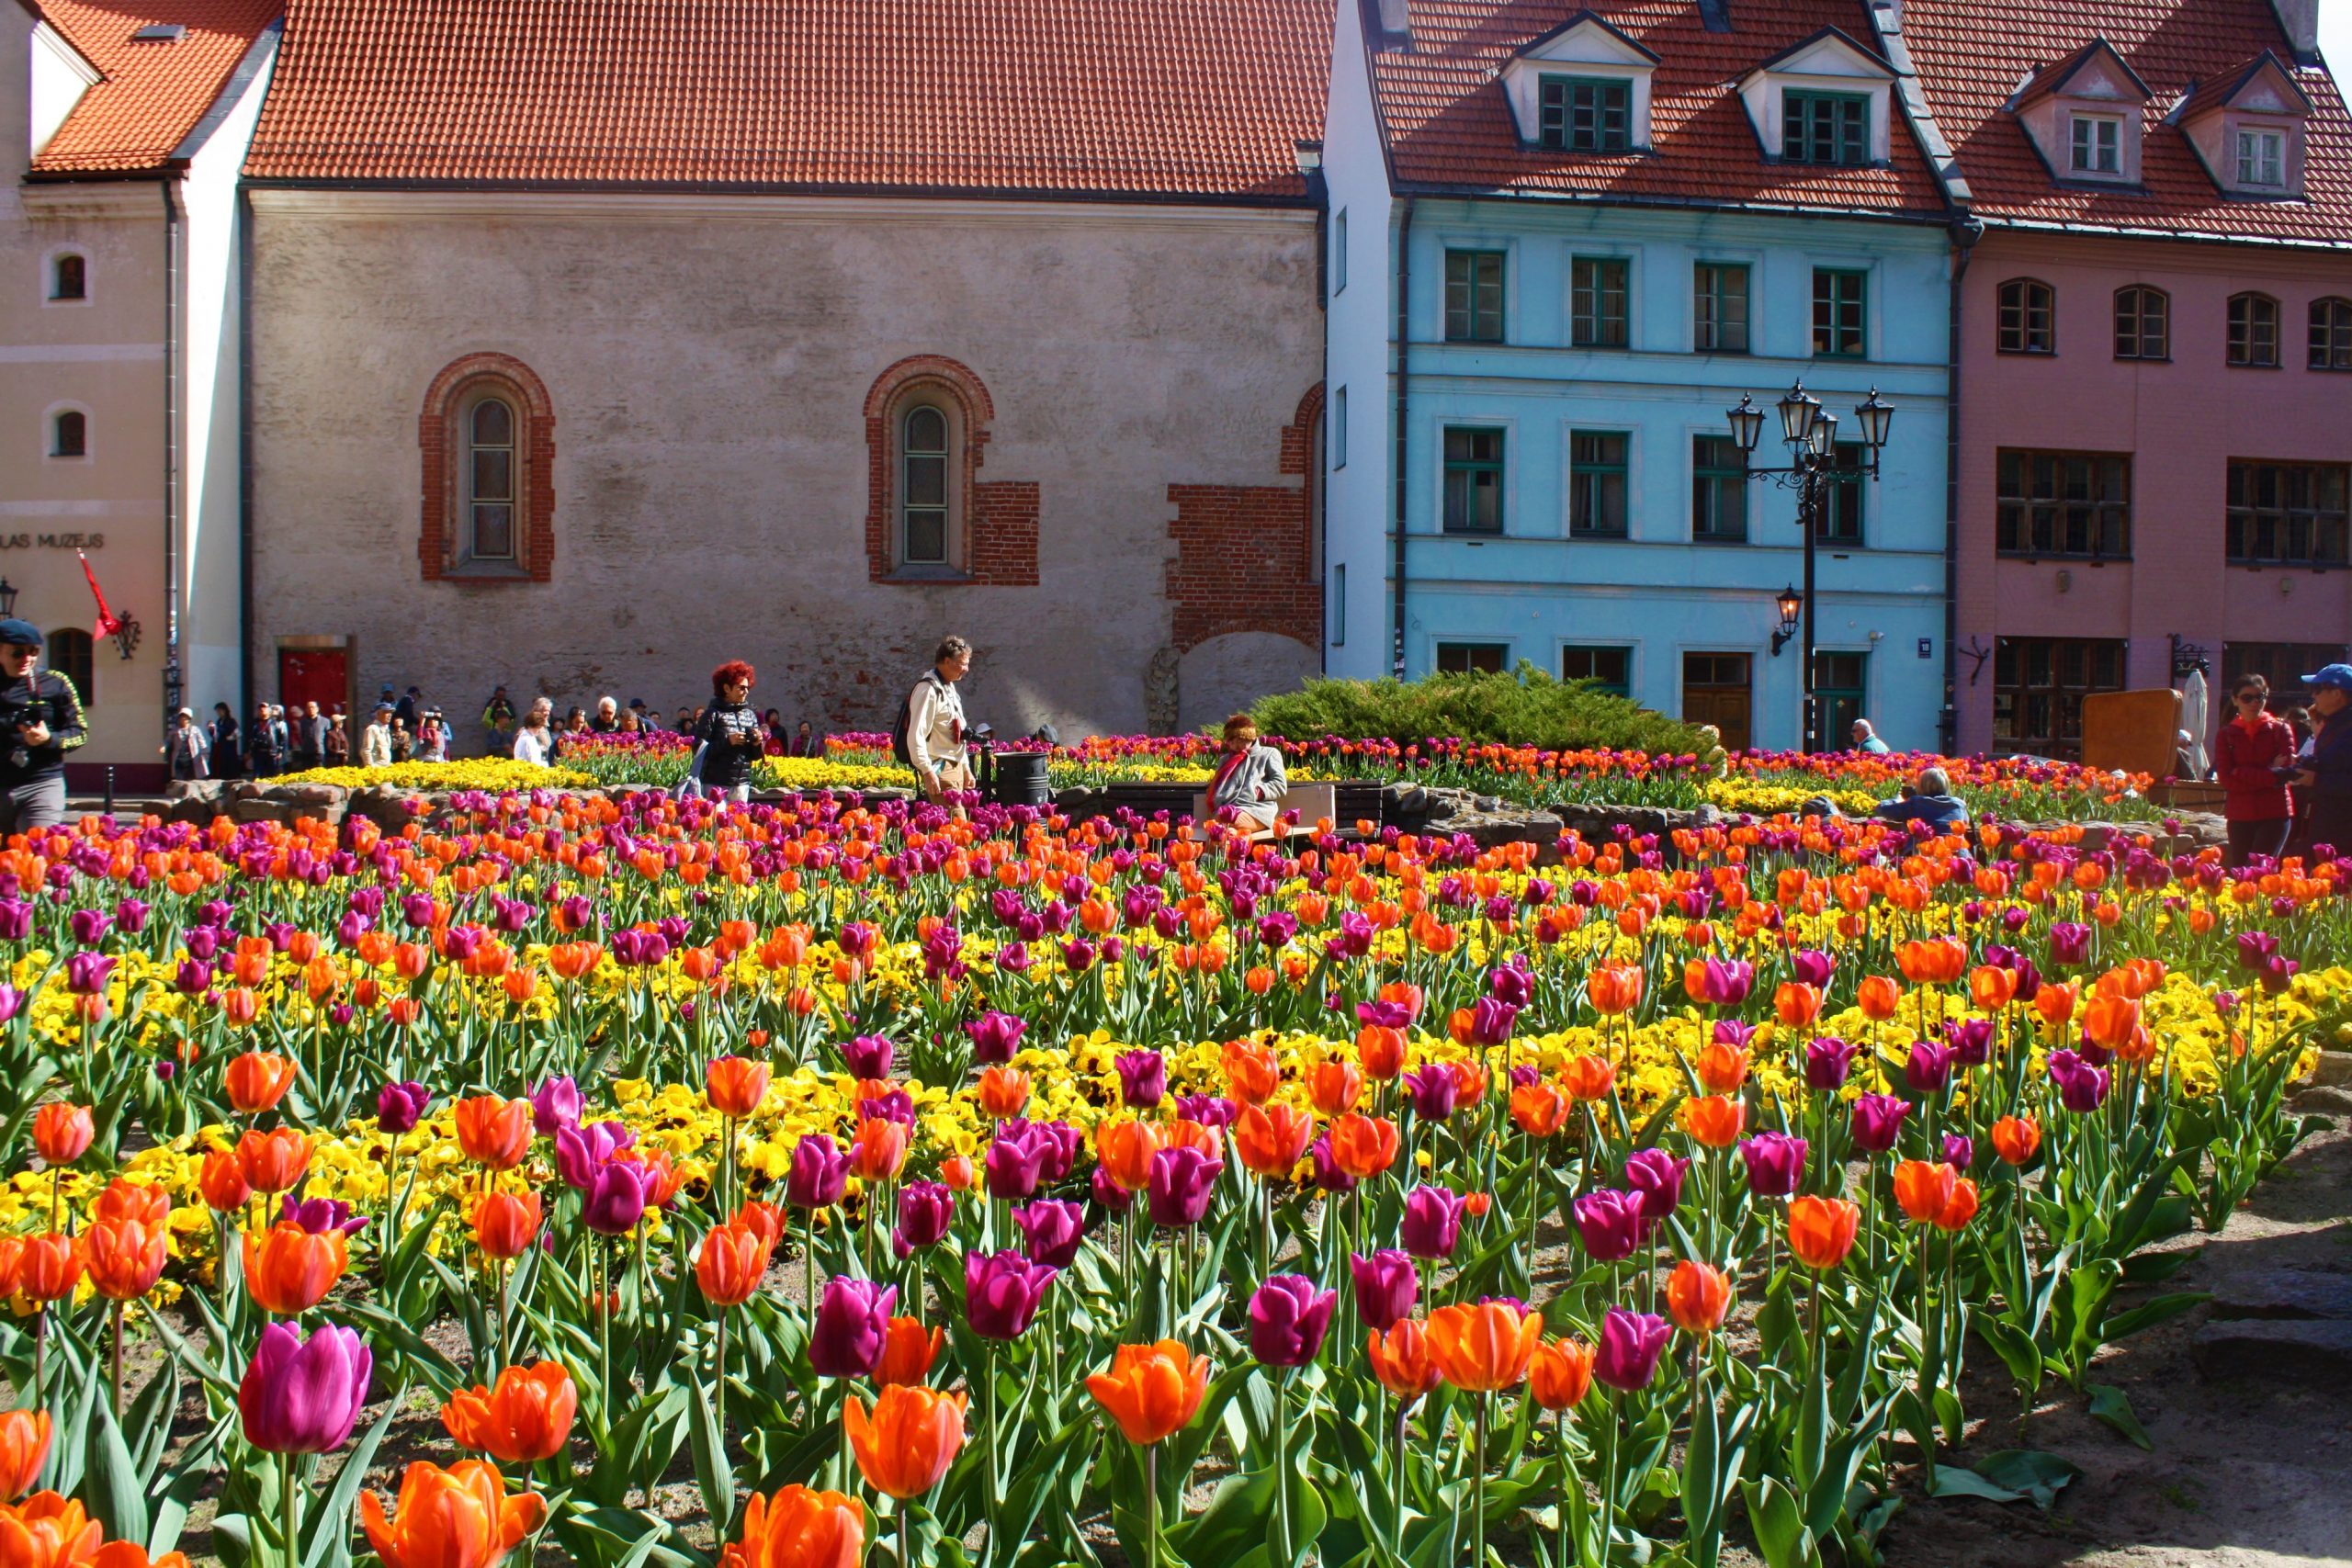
x=1964, y=235
x=172, y=671
x=1404, y=402
x=245, y=696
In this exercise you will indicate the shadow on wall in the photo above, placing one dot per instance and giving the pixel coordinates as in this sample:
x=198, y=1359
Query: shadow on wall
x=1227, y=674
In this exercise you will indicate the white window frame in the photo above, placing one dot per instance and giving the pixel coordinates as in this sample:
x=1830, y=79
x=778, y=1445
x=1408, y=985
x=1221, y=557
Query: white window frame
x=2105, y=137
x=2270, y=149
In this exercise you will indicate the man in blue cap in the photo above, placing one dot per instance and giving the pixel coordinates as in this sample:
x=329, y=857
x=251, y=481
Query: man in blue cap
x=2328, y=769
x=41, y=720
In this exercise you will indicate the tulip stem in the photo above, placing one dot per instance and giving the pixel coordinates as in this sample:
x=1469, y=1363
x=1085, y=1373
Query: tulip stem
x=117, y=1360
x=718, y=1390
x=1151, y=1505
x=1284, y=1556
x=290, y=1502
x=1608, y=1478
x=1478, y=1482
x=905, y=1557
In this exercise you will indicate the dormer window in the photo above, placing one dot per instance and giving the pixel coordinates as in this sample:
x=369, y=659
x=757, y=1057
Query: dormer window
x=2083, y=114
x=1826, y=102
x=1825, y=127
x=1582, y=87
x=2246, y=127
x=2099, y=145
x=2262, y=158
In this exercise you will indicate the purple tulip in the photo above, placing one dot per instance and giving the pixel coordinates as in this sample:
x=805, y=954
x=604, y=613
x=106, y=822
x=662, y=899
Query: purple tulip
x=1387, y=1286
x=555, y=1105
x=1724, y=982
x=1657, y=1176
x=1960, y=1151
x=1630, y=1345
x=88, y=926
x=319, y=1215
x=995, y=1035
x=868, y=1056
x=1329, y=1177
x=1878, y=1121
x=1433, y=1224
x=1811, y=966
x=819, y=1174
x=1971, y=1041
x=2255, y=950
x=1211, y=1111
x=852, y=1322
x=1511, y=984
x=616, y=1197
x=1609, y=1222
x=1433, y=1089
x=2069, y=942
x=16, y=920
x=1775, y=1164
x=1002, y=1293
x=1827, y=1063
x=1063, y=1144
x=87, y=972
x=925, y=1209
x=401, y=1106
x=1015, y=1160
x=302, y=1396
x=1112, y=1197
x=581, y=1151
x=1929, y=1068
x=1054, y=1229
x=1182, y=1181
x=1143, y=1078
x=1288, y=1317
x=1491, y=1019
x=2082, y=1088
x=1732, y=1033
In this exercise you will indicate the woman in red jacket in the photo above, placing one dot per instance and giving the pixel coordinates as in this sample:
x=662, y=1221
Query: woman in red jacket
x=2247, y=758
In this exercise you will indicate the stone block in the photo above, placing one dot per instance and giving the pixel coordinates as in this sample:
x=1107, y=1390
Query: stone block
x=2284, y=1293
x=2313, y=1351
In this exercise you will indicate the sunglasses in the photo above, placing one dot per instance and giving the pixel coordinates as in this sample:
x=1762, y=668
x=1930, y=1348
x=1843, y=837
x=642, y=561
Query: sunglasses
x=2249, y=696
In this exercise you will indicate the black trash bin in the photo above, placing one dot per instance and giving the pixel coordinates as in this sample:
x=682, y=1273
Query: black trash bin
x=1021, y=779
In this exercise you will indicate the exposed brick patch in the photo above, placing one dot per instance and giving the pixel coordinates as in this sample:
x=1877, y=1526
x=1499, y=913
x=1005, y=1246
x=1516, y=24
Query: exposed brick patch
x=1245, y=553
x=1000, y=518
x=439, y=442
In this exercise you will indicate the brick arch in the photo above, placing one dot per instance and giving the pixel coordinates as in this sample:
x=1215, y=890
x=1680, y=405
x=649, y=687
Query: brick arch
x=1000, y=516
x=1243, y=552
x=535, y=460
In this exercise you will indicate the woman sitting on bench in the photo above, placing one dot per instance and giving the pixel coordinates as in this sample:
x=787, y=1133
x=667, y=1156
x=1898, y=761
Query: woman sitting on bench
x=1251, y=777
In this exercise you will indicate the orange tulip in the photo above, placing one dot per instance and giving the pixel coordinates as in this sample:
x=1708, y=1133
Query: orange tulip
x=24, y=1448
x=909, y=1442
x=765, y=1218
x=1334, y=1086
x=878, y=1150
x=1539, y=1108
x=62, y=1132
x=495, y=1133
x=1560, y=1374
x=1722, y=1069
x=797, y=1528
x=1613, y=988
x=523, y=1419
x=222, y=1182
x=1381, y=1049
x=1992, y=988
x=1124, y=1149
x=1363, y=1147
x=48, y=1268
x=123, y=1257
x=257, y=1080
x=1796, y=1004
x=1401, y=1360
x=1271, y=1139
x=907, y=1351
x=1923, y=1188
x=1697, y=1296
x=1151, y=1390
x=1483, y=1348
x=46, y=1531
x=126, y=1554
x=733, y=1259
x=2111, y=1021
x=457, y=1517
x=140, y=1201
x=1004, y=1091
x=291, y=1271
x=507, y=1224
x=2017, y=1139
x=1955, y=1215
x=2056, y=1002
x=735, y=1086
x=1713, y=1121
x=1821, y=1230
x=1251, y=1072
x=1588, y=1078
x=272, y=1161
x=1878, y=996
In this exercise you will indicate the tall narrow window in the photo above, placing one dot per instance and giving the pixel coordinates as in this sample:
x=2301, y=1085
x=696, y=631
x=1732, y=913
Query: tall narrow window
x=490, y=482
x=1474, y=480
x=1338, y=603
x=2039, y=683
x=1841, y=519
x=924, y=511
x=1840, y=311
x=1718, y=490
x=1596, y=484
x=69, y=433
x=1339, y=251
x=1841, y=685
x=2253, y=332
x=2262, y=158
x=1582, y=114
x=68, y=653
x=1719, y=308
x=1597, y=303
x=1338, y=428
x=1474, y=296
x=1825, y=127
x=69, y=277
x=2097, y=145
x=2142, y=323
x=2029, y=309
x=2331, y=334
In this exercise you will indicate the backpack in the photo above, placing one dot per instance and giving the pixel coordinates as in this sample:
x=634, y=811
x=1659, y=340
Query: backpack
x=900, y=725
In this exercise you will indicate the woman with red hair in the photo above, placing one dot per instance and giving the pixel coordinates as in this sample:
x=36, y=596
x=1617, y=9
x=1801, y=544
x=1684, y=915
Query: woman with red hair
x=729, y=734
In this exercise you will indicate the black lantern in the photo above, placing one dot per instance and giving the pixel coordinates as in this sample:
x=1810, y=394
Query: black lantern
x=7, y=597
x=1874, y=418
x=1798, y=411
x=1791, y=604
x=1822, y=440
x=1747, y=424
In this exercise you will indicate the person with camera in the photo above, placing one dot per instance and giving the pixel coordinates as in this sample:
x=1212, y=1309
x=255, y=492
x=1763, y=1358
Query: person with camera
x=41, y=720
x=929, y=736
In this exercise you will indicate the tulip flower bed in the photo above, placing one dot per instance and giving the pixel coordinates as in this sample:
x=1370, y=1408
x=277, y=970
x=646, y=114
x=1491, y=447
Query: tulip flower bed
x=813, y=1184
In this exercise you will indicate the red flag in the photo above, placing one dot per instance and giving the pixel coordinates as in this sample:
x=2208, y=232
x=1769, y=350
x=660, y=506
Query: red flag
x=108, y=622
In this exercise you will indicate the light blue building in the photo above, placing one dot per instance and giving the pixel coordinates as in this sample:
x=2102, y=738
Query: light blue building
x=1559, y=253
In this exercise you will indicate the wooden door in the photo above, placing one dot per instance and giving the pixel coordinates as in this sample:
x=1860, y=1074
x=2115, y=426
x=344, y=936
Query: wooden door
x=1716, y=691
x=321, y=675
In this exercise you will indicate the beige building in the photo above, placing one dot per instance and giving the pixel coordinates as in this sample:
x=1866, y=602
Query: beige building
x=124, y=127
x=791, y=334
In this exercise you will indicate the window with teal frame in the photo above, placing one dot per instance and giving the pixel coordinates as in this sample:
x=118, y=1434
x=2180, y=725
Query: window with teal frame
x=1825, y=127
x=1584, y=113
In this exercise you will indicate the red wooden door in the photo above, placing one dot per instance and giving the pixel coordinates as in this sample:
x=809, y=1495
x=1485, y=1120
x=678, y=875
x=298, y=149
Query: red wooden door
x=321, y=675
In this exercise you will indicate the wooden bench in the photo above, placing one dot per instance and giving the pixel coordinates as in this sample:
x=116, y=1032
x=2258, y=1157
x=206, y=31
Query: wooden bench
x=1313, y=802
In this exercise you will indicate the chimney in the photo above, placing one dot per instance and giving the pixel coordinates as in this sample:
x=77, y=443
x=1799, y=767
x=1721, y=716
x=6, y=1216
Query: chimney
x=1887, y=16
x=1394, y=20
x=2299, y=19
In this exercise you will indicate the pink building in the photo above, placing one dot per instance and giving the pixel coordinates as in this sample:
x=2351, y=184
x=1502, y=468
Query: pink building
x=2155, y=349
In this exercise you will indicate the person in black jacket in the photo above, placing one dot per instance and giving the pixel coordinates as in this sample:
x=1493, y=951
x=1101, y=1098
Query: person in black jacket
x=41, y=720
x=729, y=733
x=222, y=733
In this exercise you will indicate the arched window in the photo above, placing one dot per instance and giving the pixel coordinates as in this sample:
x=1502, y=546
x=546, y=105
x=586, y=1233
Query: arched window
x=2029, y=317
x=2331, y=334
x=923, y=486
x=68, y=653
x=68, y=277
x=69, y=433
x=2142, y=323
x=2253, y=332
x=488, y=433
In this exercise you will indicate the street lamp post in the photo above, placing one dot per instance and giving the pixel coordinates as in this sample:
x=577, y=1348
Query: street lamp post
x=1810, y=433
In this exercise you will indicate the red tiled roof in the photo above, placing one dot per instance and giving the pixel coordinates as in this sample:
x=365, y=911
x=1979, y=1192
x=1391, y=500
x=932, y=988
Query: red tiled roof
x=1448, y=124
x=154, y=91
x=1971, y=55
x=1167, y=98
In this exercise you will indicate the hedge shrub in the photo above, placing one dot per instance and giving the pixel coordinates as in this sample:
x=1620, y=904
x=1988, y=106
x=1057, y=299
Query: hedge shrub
x=1523, y=708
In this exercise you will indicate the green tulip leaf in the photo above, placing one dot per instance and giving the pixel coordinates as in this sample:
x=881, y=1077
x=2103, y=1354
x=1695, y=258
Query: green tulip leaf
x=2112, y=1406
